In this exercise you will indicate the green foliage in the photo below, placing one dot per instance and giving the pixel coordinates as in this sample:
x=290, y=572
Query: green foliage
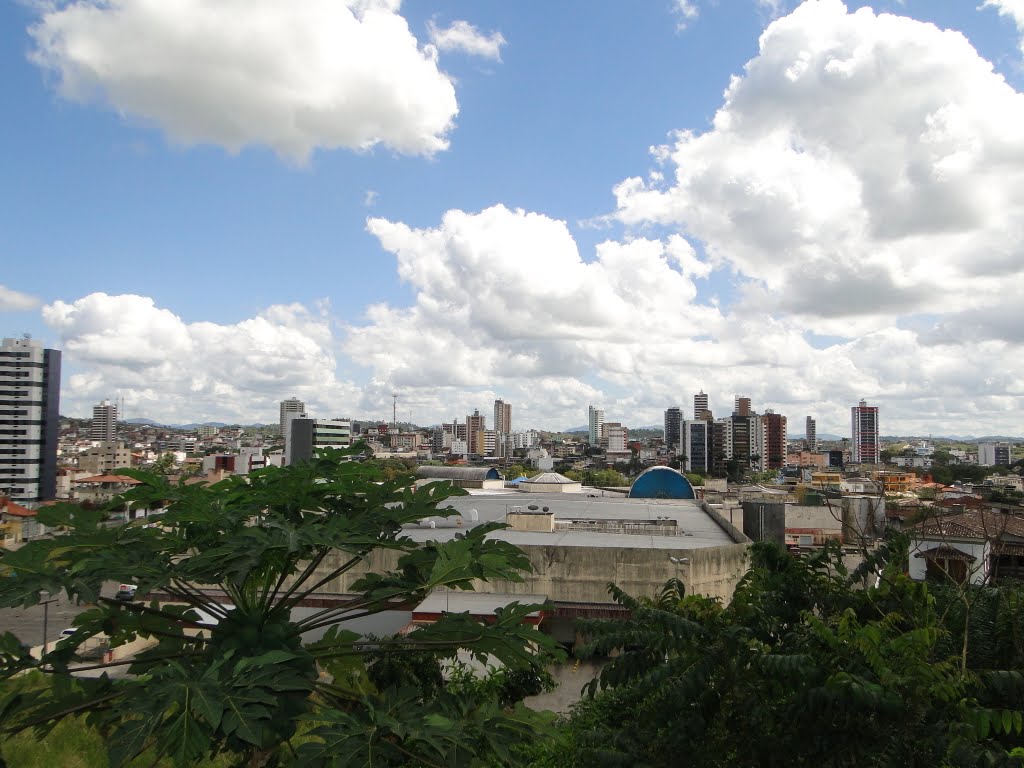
x=242, y=684
x=808, y=665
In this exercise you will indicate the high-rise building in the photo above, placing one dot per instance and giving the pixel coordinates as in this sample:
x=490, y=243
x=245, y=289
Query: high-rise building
x=29, y=420
x=745, y=440
x=773, y=441
x=502, y=417
x=673, y=428
x=741, y=406
x=502, y=427
x=595, y=419
x=475, y=426
x=700, y=406
x=719, y=446
x=865, y=447
x=994, y=454
x=292, y=406
x=811, y=435
x=696, y=445
x=104, y=422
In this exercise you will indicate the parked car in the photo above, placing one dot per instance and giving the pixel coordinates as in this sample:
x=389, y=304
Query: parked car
x=126, y=592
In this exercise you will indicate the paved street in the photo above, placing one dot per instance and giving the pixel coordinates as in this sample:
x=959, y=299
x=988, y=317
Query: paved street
x=27, y=624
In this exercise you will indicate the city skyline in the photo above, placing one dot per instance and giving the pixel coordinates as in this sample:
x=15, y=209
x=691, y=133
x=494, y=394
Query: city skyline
x=700, y=196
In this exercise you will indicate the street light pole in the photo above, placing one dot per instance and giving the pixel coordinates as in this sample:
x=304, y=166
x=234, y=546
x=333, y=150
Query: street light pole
x=46, y=619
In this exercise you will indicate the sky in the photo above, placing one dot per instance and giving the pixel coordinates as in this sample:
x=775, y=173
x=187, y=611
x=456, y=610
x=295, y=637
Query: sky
x=214, y=205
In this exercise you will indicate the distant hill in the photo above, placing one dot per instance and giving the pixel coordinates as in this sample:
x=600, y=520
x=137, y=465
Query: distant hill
x=218, y=424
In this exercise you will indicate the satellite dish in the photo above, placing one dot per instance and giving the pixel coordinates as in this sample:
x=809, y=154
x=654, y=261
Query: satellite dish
x=534, y=507
x=544, y=509
x=433, y=524
x=473, y=515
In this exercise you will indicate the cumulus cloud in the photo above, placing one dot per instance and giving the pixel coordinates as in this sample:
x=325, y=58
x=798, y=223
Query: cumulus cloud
x=505, y=305
x=463, y=36
x=16, y=301
x=861, y=166
x=296, y=76
x=171, y=370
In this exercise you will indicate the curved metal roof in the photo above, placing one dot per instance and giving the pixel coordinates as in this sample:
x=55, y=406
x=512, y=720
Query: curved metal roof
x=661, y=483
x=457, y=473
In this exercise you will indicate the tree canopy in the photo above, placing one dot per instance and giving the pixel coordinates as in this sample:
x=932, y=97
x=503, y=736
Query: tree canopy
x=231, y=671
x=808, y=665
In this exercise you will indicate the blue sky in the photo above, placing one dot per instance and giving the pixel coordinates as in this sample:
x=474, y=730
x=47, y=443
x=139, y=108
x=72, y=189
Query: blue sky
x=209, y=213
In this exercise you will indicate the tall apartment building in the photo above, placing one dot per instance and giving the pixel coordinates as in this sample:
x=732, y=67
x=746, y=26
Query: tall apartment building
x=994, y=454
x=502, y=417
x=673, y=428
x=773, y=441
x=306, y=435
x=290, y=407
x=811, y=435
x=103, y=426
x=865, y=446
x=719, y=445
x=29, y=420
x=701, y=409
x=696, y=445
x=741, y=406
x=502, y=427
x=475, y=426
x=595, y=420
x=744, y=439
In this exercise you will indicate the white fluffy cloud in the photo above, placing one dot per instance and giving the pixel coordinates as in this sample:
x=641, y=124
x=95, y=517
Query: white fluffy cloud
x=16, y=301
x=463, y=36
x=294, y=76
x=862, y=166
x=173, y=371
x=506, y=307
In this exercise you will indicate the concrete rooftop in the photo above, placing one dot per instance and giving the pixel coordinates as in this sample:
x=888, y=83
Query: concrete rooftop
x=697, y=528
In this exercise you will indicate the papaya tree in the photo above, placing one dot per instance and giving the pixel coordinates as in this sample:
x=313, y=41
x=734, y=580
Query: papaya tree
x=232, y=667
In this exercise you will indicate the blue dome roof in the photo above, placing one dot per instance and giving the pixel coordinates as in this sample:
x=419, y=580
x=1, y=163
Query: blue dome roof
x=661, y=483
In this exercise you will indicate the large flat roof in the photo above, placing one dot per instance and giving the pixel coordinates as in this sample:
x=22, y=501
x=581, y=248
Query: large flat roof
x=697, y=529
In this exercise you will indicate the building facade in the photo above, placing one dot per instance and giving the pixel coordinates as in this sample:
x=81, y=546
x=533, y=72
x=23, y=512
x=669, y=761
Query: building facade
x=29, y=420
x=305, y=436
x=773, y=441
x=673, y=429
x=502, y=427
x=475, y=426
x=595, y=421
x=696, y=447
x=865, y=445
x=994, y=454
x=811, y=435
x=701, y=408
x=103, y=426
x=290, y=408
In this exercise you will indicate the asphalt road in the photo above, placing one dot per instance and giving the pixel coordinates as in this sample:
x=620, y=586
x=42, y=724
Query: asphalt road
x=27, y=623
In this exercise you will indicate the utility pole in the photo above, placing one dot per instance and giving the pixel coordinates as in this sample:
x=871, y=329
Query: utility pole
x=46, y=620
